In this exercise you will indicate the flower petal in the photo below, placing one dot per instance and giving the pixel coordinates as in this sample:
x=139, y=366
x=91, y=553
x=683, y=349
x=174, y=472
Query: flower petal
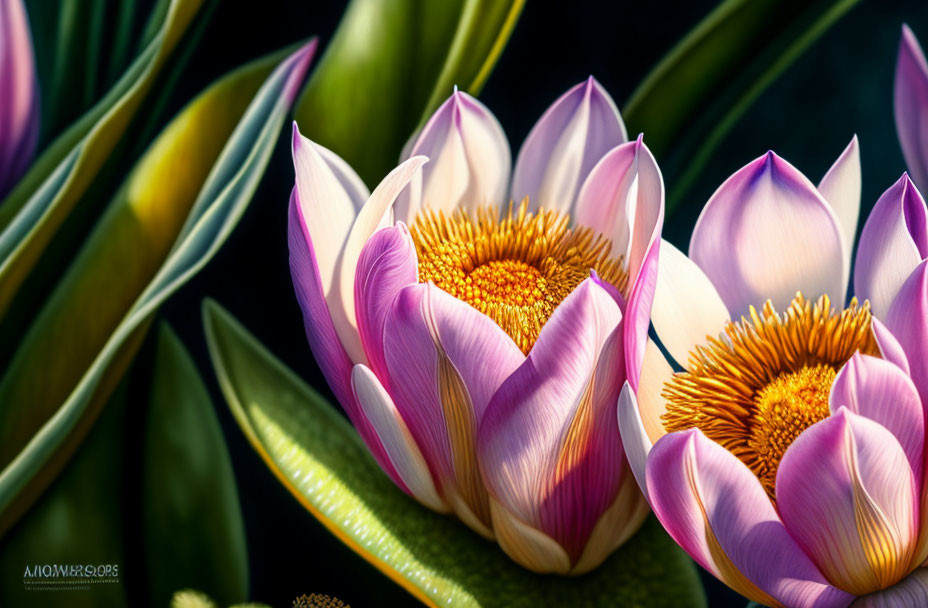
x=687, y=308
x=565, y=144
x=846, y=493
x=550, y=450
x=767, y=233
x=19, y=108
x=841, y=188
x=910, y=591
x=469, y=159
x=717, y=510
x=908, y=321
x=388, y=263
x=445, y=360
x=911, y=105
x=889, y=346
x=894, y=240
x=323, y=340
x=528, y=546
x=395, y=437
x=878, y=390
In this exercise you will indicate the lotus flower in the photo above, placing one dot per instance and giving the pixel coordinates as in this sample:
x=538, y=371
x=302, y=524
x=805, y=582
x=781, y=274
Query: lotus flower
x=788, y=457
x=477, y=332
x=911, y=106
x=19, y=109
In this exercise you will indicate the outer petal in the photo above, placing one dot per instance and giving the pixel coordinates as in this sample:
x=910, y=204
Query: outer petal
x=635, y=439
x=387, y=264
x=847, y=494
x=841, y=188
x=908, y=321
x=889, y=346
x=716, y=509
x=878, y=390
x=320, y=332
x=398, y=443
x=550, y=450
x=894, y=240
x=910, y=591
x=687, y=309
x=469, y=159
x=19, y=103
x=445, y=361
x=565, y=144
x=767, y=233
x=911, y=105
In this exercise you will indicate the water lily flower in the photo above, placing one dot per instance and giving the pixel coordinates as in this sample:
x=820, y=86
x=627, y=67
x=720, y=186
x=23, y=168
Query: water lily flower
x=911, y=106
x=19, y=108
x=786, y=458
x=477, y=329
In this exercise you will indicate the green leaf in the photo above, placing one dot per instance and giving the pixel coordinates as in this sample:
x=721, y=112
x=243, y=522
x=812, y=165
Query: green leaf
x=320, y=459
x=41, y=201
x=390, y=65
x=192, y=524
x=177, y=207
x=701, y=88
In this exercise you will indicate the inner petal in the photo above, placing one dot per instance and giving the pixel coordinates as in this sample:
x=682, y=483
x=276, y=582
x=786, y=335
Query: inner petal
x=755, y=389
x=515, y=267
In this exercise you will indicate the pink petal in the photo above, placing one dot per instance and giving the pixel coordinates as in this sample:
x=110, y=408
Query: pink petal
x=910, y=591
x=847, y=495
x=635, y=439
x=320, y=332
x=469, y=159
x=550, y=450
x=894, y=240
x=878, y=390
x=19, y=103
x=889, y=346
x=767, y=233
x=445, y=360
x=565, y=144
x=911, y=106
x=908, y=321
x=387, y=264
x=841, y=188
x=717, y=510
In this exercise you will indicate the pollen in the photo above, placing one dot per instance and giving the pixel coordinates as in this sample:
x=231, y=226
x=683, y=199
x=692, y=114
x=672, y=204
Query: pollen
x=767, y=379
x=515, y=267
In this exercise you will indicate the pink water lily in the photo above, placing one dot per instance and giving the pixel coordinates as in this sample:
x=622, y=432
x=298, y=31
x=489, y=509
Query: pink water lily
x=477, y=327
x=19, y=109
x=788, y=457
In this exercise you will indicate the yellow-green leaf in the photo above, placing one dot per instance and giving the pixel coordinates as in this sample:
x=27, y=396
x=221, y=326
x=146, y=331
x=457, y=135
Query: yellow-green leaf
x=321, y=460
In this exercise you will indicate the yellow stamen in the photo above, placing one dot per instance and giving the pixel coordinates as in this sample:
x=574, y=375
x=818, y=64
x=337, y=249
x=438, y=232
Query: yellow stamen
x=516, y=268
x=768, y=379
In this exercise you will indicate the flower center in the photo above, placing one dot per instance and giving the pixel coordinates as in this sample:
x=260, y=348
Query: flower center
x=515, y=268
x=755, y=390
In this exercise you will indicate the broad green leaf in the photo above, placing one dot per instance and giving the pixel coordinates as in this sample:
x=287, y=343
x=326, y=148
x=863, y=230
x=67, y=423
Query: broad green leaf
x=391, y=64
x=696, y=94
x=34, y=210
x=320, y=459
x=79, y=520
x=175, y=210
x=192, y=524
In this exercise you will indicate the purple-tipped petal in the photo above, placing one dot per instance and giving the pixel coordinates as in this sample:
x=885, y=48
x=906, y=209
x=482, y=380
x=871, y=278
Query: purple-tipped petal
x=550, y=450
x=894, y=240
x=911, y=106
x=767, y=233
x=717, y=510
x=847, y=494
x=841, y=188
x=469, y=159
x=908, y=321
x=687, y=308
x=910, y=591
x=19, y=102
x=445, y=360
x=889, y=346
x=564, y=145
x=878, y=390
x=388, y=263
x=327, y=349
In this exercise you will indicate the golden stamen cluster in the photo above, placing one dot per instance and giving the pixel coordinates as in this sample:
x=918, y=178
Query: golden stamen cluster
x=516, y=268
x=755, y=389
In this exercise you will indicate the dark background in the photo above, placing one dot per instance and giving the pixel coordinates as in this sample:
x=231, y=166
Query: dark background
x=842, y=86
